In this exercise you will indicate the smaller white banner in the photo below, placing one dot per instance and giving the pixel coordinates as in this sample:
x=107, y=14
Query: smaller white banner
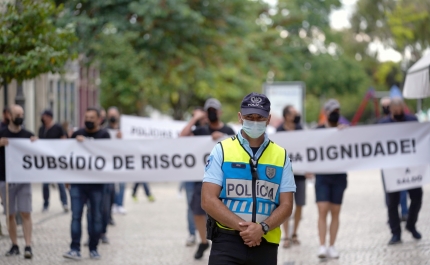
x=397, y=179
x=134, y=128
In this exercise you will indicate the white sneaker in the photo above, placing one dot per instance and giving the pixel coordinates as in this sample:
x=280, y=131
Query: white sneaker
x=322, y=253
x=114, y=209
x=122, y=210
x=191, y=241
x=332, y=253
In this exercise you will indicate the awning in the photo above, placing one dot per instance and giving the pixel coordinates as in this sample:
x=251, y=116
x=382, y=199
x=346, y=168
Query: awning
x=417, y=84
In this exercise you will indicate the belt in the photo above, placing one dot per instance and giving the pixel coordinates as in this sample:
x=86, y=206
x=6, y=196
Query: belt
x=229, y=232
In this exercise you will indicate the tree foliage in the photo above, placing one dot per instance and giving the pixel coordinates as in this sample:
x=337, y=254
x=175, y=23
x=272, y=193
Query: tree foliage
x=30, y=42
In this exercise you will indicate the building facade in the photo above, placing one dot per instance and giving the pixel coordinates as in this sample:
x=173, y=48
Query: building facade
x=68, y=95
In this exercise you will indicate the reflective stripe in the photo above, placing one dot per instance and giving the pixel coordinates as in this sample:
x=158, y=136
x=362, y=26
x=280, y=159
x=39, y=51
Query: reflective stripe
x=267, y=208
x=236, y=203
x=260, y=207
x=251, y=205
x=228, y=203
x=242, y=208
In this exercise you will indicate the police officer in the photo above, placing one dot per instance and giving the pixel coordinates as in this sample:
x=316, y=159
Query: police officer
x=247, y=190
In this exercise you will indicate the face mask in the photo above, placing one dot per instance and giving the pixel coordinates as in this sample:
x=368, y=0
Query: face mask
x=386, y=110
x=297, y=119
x=399, y=117
x=334, y=117
x=89, y=125
x=212, y=115
x=18, y=121
x=112, y=119
x=254, y=129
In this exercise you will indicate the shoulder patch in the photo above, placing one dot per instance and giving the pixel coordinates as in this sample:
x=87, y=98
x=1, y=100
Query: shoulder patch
x=209, y=162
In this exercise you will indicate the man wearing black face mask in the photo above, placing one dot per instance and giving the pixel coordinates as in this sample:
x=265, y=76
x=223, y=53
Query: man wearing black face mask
x=217, y=129
x=6, y=118
x=80, y=194
x=52, y=130
x=397, y=109
x=19, y=194
x=385, y=105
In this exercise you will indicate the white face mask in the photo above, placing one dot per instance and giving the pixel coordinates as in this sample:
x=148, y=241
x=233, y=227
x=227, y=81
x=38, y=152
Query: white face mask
x=254, y=129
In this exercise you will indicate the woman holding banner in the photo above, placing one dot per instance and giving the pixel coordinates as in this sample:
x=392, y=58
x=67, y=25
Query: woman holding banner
x=329, y=189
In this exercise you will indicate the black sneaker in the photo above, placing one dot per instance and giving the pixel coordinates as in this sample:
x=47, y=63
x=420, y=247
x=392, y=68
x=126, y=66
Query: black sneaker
x=201, y=250
x=395, y=239
x=14, y=251
x=414, y=233
x=27, y=253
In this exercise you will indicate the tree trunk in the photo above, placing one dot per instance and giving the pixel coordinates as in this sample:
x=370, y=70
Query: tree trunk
x=5, y=99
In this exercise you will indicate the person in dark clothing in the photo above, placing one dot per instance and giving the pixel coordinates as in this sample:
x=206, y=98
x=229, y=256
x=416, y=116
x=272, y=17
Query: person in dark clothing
x=398, y=115
x=20, y=196
x=6, y=118
x=292, y=123
x=217, y=129
x=52, y=130
x=80, y=194
x=385, y=105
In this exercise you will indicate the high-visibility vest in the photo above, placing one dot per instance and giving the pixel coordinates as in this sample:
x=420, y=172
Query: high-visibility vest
x=252, y=199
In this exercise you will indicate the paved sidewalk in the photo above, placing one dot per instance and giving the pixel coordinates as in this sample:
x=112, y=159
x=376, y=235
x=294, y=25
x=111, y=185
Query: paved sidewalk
x=155, y=233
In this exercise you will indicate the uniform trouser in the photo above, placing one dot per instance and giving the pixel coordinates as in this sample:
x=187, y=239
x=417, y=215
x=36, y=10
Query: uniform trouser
x=230, y=250
x=416, y=196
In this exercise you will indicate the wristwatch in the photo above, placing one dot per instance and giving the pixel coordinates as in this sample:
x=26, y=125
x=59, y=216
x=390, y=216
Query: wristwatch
x=265, y=227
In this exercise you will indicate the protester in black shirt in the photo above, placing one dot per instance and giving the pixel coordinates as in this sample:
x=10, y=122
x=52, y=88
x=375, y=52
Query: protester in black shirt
x=19, y=194
x=397, y=114
x=52, y=130
x=81, y=193
x=292, y=123
x=6, y=118
x=217, y=129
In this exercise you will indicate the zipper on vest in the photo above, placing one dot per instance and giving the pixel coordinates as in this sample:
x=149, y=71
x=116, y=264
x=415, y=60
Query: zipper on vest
x=254, y=184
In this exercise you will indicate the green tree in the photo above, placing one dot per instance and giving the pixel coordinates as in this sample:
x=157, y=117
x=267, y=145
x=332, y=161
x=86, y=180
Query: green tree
x=30, y=42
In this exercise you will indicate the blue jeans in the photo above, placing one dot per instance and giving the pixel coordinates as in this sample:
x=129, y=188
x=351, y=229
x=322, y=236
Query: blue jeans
x=189, y=190
x=119, y=194
x=404, y=202
x=108, y=192
x=145, y=188
x=61, y=189
x=80, y=194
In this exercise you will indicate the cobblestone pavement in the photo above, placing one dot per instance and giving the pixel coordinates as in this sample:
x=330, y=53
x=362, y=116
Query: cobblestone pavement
x=155, y=233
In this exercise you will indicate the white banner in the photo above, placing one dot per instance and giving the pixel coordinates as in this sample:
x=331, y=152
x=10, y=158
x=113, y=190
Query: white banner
x=133, y=127
x=183, y=159
x=397, y=179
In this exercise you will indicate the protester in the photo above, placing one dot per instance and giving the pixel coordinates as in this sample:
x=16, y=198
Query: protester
x=216, y=128
x=20, y=195
x=292, y=123
x=243, y=234
x=82, y=193
x=397, y=114
x=6, y=118
x=113, y=124
x=189, y=185
x=385, y=105
x=145, y=188
x=102, y=117
x=52, y=130
x=329, y=189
